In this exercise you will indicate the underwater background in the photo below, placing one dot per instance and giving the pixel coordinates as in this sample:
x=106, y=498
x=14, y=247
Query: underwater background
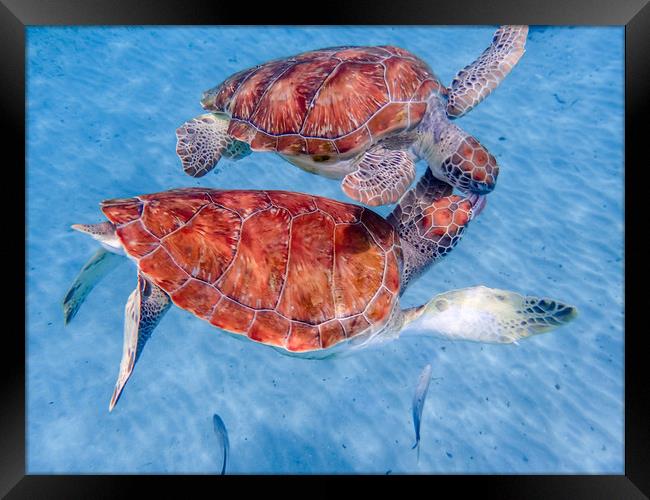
x=102, y=106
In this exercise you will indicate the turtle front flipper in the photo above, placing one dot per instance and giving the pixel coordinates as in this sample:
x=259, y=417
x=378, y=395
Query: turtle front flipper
x=145, y=308
x=481, y=314
x=202, y=141
x=475, y=82
x=381, y=176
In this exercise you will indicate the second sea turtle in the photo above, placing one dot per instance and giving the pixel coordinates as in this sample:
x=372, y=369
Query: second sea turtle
x=361, y=114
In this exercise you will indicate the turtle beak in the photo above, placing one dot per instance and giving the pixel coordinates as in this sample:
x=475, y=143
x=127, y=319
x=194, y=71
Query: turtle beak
x=478, y=202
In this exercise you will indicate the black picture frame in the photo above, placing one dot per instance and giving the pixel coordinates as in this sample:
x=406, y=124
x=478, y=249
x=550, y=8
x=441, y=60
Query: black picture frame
x=16, y=15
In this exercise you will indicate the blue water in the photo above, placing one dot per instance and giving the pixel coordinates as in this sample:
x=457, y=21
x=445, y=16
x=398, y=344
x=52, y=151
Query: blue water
x=103, y=104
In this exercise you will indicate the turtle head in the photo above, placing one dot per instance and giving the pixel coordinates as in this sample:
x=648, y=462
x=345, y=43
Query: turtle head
x=470, y=167
x=208, y=98
x=482, y=314
x=453, y=155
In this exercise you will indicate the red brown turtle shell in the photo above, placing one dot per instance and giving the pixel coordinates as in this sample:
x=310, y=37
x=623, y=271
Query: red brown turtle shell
x=288, y=269
x=326, y=102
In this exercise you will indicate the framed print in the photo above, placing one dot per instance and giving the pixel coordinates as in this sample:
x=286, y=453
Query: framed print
x=346, y=247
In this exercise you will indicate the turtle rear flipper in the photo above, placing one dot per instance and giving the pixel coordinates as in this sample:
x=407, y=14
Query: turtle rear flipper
x=145, y=308
x=93, y=271
x=381, y=177
x=202, y=141
x=475, y=82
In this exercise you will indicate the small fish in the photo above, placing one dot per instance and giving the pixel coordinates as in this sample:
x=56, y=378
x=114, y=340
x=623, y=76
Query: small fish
x=222, y=435
x=418, y=403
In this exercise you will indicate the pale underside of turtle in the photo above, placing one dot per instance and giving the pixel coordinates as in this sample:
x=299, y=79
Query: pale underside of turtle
x=301, y=273
x=363, y=114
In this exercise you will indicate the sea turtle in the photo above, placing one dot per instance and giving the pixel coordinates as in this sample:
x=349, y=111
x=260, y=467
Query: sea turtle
x=305, y=274
x=364, y=114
